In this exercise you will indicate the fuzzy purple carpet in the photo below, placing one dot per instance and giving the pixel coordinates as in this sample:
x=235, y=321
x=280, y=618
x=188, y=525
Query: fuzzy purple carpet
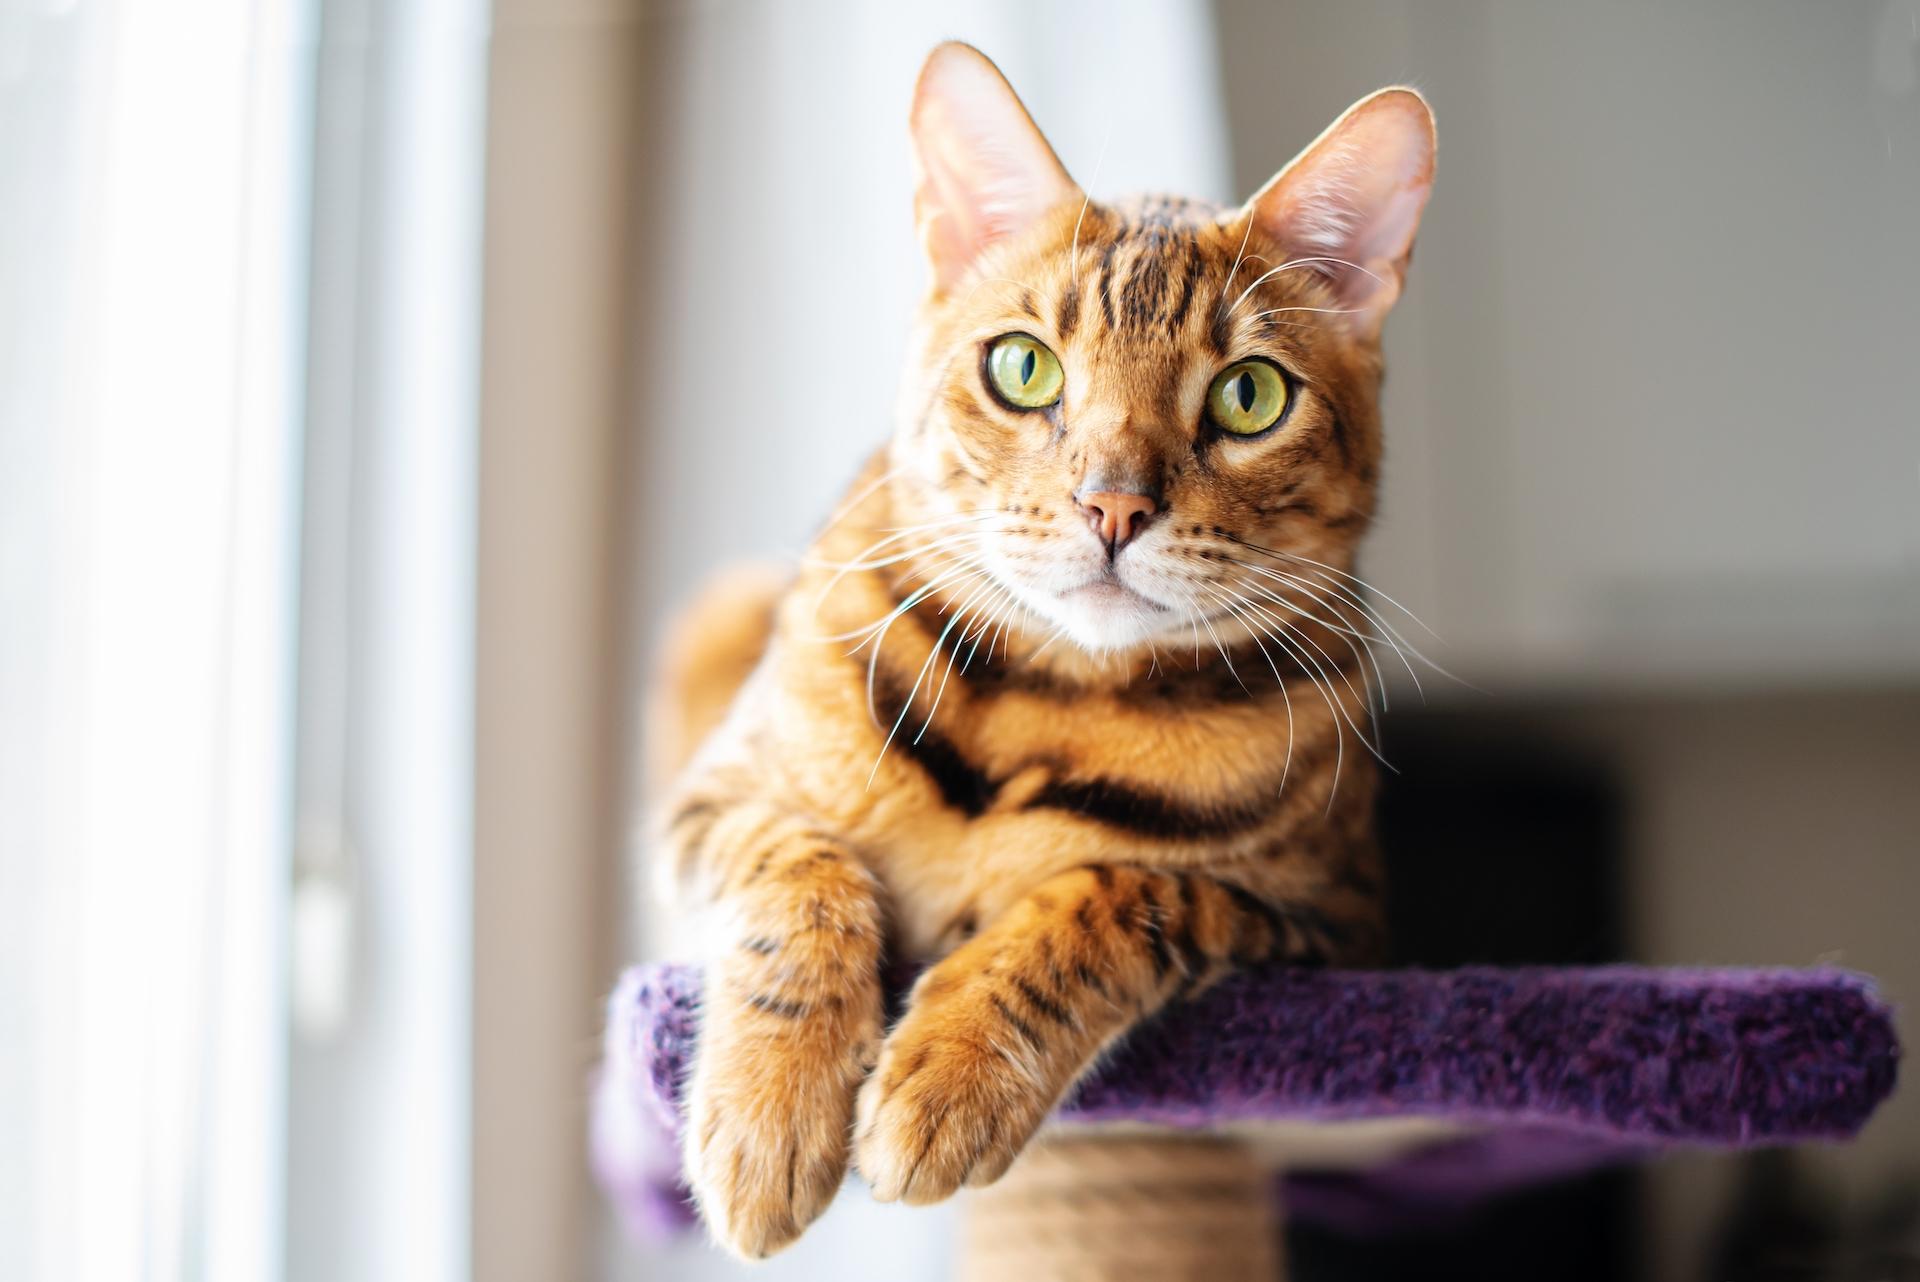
x=1559, y=1069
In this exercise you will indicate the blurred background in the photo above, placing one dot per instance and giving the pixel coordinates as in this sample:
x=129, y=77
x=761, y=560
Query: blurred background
x=361, y=379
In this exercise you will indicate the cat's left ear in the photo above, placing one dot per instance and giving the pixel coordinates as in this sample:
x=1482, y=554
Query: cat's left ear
x=1352, y=202
x=982, y=170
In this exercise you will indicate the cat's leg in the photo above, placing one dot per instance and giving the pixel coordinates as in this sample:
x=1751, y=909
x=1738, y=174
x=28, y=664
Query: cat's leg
x=996, y=1032
x=791, y=1017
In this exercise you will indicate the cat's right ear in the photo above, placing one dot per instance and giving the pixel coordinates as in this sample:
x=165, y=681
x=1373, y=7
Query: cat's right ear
x=982, y=170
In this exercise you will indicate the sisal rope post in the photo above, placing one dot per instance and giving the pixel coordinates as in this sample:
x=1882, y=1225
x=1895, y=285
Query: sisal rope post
x=1091, y=1209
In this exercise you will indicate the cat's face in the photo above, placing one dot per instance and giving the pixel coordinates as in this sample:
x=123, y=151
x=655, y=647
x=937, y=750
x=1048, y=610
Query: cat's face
x=1121, y=413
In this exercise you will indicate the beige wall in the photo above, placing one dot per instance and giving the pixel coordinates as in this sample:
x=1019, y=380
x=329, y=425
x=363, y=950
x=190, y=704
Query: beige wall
x=1658, y=494
x=562, y=107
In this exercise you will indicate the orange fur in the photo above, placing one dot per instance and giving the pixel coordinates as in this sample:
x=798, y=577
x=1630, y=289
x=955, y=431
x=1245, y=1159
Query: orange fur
x=1075, y=831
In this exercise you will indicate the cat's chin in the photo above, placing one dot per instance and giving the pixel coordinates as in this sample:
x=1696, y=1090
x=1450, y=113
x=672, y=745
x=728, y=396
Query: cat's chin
x=1106, y=616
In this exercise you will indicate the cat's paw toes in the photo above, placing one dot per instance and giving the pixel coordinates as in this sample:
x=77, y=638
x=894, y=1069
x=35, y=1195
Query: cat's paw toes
x=943, y=1110
x=763, y=1164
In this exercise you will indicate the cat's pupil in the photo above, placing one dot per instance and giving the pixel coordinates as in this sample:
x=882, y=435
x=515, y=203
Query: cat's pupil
x=1245, y=393
x=1026, y=369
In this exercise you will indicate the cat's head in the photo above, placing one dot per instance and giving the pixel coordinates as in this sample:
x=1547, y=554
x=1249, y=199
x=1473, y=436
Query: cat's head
x=1126, y=415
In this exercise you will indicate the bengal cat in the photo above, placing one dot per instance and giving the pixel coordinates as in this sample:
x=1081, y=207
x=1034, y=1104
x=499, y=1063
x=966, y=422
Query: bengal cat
x=1072, y=696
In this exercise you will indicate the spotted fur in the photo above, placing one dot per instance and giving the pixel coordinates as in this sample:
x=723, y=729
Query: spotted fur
x=1076, y=814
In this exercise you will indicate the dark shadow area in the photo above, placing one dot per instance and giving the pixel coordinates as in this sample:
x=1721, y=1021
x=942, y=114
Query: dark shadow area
x=1500, y=851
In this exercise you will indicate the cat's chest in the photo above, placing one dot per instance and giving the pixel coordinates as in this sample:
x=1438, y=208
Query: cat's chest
x=971, y=819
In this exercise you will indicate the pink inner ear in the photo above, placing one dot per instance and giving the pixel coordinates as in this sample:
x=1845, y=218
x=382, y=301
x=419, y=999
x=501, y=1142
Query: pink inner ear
x=1356, y=195
x=985, y=171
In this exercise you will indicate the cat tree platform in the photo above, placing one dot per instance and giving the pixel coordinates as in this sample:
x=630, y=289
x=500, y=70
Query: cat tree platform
x=1384, y=1097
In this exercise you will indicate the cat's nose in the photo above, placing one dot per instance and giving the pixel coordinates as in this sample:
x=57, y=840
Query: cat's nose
x=1117, y=516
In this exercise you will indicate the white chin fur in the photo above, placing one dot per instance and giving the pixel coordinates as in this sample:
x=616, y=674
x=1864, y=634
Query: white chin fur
x=1099, y=621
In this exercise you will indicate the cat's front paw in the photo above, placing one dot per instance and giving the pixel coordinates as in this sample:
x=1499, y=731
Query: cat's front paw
x=766, y=1141
x=962, y=1084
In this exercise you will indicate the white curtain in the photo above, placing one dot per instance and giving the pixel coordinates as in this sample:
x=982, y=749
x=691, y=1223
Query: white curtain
x=152, y=163
x=777, y=270
x=380, y=1121
x=191, y=441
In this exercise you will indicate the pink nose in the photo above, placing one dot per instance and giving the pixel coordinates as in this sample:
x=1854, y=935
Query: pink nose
x=1116, y=517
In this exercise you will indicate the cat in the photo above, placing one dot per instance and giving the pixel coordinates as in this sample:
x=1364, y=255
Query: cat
x=1070, y=698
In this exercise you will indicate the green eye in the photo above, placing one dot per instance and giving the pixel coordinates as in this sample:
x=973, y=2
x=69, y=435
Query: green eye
x=1247, y=398
x=1024, y=373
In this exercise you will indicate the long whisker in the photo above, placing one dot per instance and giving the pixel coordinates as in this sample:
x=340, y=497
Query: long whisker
x=873, y=664
x=865, y=560
x=937, y=571
x=1354, y=579
x=870, y=562
x=1086, y=199
x=845, y=509
x=1344, y=627
x=1218, y=644
x=896, y=535
x=1333, y=705
x=1002, y=615
x=1359, y=644
x=1057, y=634
x=1239, y=254
x=906, y=704
x=992, y=591
x=1373, y=616
x=1383, y=633
x=942, y=572
x=1328, y=311
x=1286, y=766
x=1289, y=265
x=1304, y=642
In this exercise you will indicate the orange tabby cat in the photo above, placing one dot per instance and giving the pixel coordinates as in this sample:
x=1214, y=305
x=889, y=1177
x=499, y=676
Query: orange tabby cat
x=1103, y=733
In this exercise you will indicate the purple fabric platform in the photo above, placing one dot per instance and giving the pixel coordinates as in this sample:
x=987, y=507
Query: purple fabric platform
x=1558, y=1070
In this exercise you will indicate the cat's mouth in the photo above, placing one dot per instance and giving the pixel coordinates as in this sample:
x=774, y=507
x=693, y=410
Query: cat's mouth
x=1107, y=591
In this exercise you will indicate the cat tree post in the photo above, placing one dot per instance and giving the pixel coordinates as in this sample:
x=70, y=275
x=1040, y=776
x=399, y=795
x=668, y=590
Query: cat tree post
x=1180, y=1209
x=1396, y=1089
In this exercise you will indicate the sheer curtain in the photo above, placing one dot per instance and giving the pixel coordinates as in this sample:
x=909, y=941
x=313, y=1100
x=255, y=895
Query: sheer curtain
x=380, y=1119
x=237, y=535
x=152, y=163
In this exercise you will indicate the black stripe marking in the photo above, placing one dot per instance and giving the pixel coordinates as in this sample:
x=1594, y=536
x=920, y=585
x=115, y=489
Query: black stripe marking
x=1187, y=284
x=926, y=1146
x=961, y=784
x=1146, y=288
x=1020, y=1026
x=1342, y=438
x=1042, y=1003
x=1251, y=905
x=1069, y=312
x=1106, y=282
x=1218, y=332
x=1193, y=958
x=1154, y=931
x=970, y=789
x=775, y=1006
x=1119, y=805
